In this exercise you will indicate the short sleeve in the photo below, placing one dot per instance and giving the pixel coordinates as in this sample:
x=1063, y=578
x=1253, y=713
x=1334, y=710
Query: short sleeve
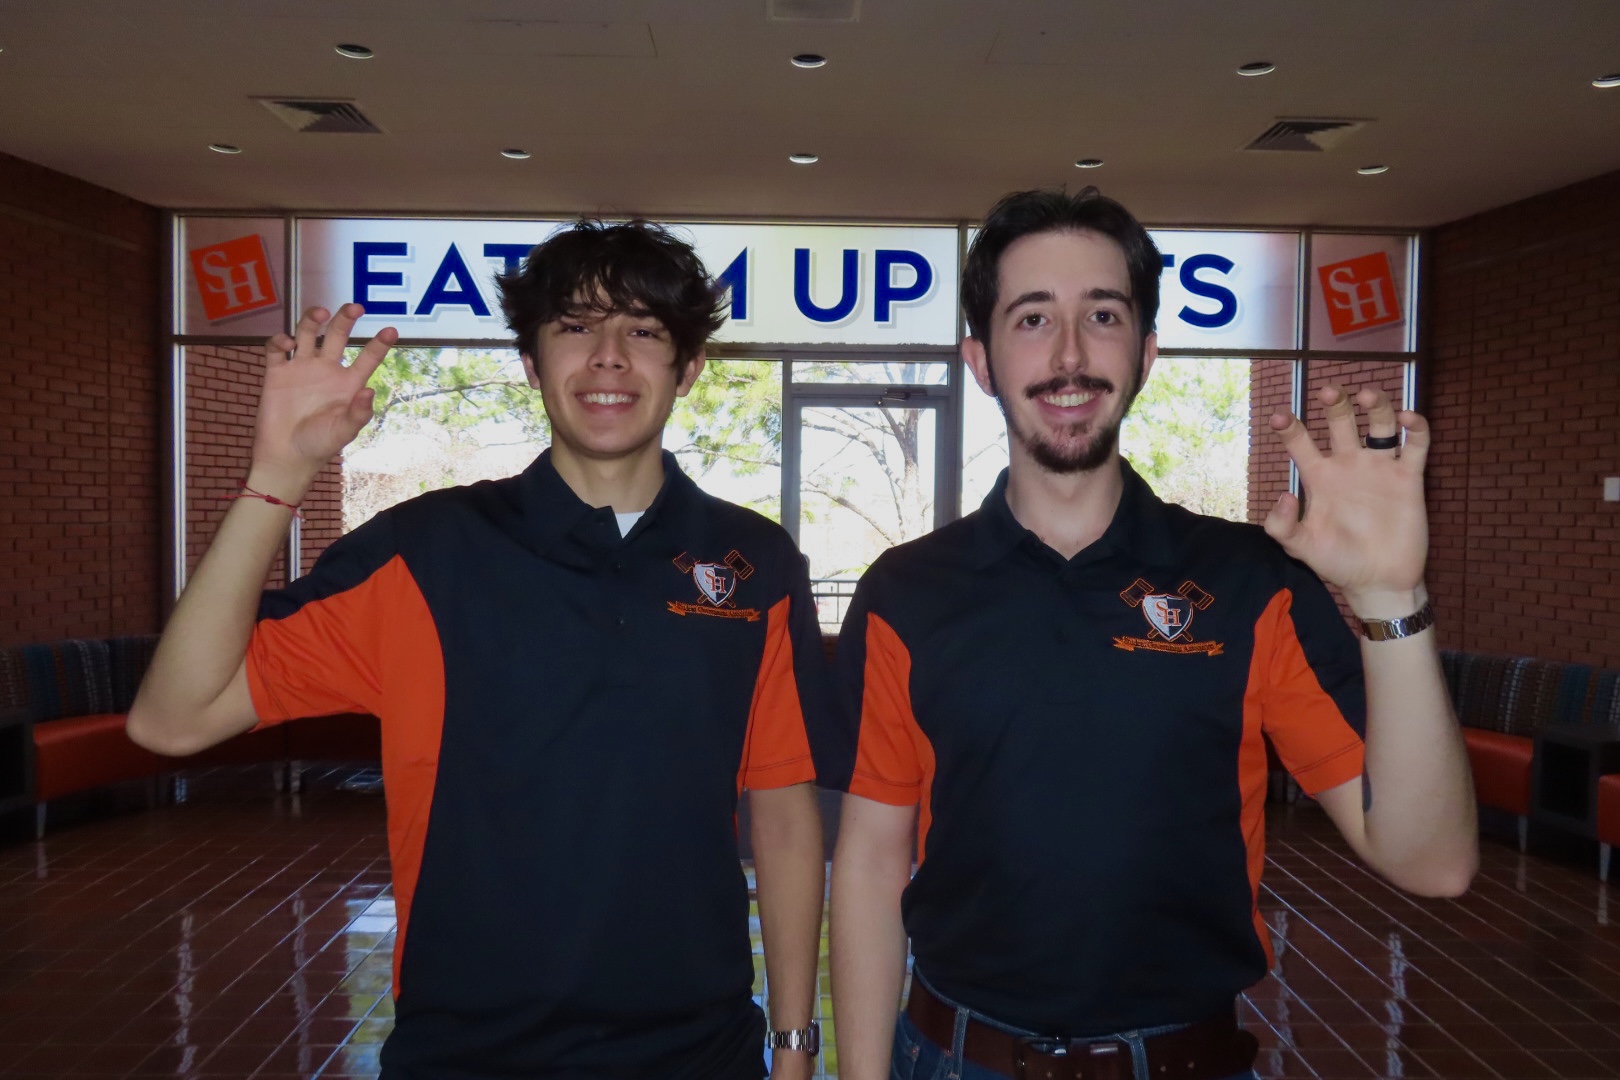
x=884, y=751
x=790, y=705
x=318, y=645
x=1314, y=705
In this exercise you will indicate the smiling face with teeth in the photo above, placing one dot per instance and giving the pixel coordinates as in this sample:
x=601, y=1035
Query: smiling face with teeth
x=1065, y=356
x=609, y=381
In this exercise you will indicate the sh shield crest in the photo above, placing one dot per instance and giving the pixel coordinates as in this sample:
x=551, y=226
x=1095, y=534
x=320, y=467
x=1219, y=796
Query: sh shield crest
x=715, y=583
x=1168, y=615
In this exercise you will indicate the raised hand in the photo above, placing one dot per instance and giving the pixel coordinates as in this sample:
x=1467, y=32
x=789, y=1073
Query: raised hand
x=312, y=405
x=1365, y=528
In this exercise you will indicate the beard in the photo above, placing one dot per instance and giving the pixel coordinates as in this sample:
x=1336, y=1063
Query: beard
x=1069, y=451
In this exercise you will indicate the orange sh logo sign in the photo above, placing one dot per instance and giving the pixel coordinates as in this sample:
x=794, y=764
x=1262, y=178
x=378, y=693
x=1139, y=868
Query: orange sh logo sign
x=1360, y=294
x=233, y=277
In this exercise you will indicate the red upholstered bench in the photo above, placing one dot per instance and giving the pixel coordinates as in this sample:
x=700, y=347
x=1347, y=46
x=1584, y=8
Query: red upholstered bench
x=77, y=695
x=76, y=753
x=1608, y=821
x=1501, y=766
x=1502, y=701
x=344, y=737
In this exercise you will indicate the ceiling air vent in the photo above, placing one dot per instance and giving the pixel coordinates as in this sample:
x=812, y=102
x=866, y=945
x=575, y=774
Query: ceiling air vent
x=813, y=10
x=320, y=114
x=1306, y=136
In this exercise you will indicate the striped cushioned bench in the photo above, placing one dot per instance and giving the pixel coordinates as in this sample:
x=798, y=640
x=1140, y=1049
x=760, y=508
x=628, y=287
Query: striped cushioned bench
x=1502, y=701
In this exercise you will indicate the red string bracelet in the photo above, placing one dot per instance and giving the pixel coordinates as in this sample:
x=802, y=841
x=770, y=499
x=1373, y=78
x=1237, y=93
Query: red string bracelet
x=249, y=493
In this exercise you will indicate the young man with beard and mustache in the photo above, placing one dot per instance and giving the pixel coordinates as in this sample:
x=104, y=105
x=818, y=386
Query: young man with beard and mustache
x=577, y=671
x=1064, y=698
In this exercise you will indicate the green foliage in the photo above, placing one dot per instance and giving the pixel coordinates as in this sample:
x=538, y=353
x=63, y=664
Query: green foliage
x=1188, y=434
x=453, y=392
x=733, y=415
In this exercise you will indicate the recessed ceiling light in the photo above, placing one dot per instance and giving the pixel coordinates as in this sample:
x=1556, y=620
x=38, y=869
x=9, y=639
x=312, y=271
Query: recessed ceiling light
x=804, y=159
x=1372, y=170
x=1607, y=82
x=224, y=148
x=354, y=52
x=809, y=60
x=1089, y=163
x=1258, y=67
x=515, y=153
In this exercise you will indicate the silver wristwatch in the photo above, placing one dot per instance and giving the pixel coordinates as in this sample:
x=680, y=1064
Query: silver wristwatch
x=807, y=1039
x=1391, y=629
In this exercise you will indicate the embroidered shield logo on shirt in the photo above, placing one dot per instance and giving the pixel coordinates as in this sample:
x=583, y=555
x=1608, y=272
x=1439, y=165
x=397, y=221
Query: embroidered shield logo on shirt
x=1168, y=616
x=715, y=581
x=1168, y=613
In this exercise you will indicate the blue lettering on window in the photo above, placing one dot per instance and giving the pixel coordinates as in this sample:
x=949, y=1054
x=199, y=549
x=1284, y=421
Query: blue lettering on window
x=1226, y=298
x=885, y=293
x=735, y=278
x=453, y=270
x=849, y=291
x=1168, y=260
x=365, y=278
x=511, y=255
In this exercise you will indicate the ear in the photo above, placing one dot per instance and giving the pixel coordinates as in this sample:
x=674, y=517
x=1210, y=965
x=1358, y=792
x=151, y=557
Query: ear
x=689, y=377
x=530, y=372
x=977, y=359
x=1150, y=353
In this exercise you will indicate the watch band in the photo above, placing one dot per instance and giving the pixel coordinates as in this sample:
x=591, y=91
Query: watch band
x=1392, y=629
x=807, y=1039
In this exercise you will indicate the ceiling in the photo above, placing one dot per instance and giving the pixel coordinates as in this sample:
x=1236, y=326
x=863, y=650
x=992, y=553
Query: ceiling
x=926, y=109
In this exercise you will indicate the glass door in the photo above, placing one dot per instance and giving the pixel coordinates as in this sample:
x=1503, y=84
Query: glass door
x=863, y=439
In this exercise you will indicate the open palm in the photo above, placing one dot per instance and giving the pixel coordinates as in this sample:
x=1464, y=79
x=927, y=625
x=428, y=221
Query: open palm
x=313, y=405
x=1365, y=527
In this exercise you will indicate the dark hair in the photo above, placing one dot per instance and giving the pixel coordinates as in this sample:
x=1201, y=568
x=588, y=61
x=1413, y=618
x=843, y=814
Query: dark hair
x=635, y=267
x=1026, y=213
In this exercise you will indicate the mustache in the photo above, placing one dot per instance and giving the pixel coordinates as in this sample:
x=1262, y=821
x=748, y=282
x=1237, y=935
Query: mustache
x=1080, y=381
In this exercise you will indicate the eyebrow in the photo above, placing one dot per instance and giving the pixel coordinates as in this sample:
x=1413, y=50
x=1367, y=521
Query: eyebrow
x=1044, y=296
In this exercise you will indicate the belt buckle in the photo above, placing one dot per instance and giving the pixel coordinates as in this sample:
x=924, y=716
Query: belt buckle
x=1077, y=1058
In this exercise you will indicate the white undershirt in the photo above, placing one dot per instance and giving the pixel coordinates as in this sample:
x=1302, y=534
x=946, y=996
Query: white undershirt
x=628, y=521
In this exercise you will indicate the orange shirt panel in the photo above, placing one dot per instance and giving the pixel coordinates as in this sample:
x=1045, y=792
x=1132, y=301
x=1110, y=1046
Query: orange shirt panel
x=887, y=766
x=373, y=648
x=1313, y=739
x=894, y=761
x=776, y=750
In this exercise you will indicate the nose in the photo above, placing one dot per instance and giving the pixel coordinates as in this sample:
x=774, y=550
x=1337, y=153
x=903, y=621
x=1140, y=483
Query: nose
x=1069, y=351
x=608, y=353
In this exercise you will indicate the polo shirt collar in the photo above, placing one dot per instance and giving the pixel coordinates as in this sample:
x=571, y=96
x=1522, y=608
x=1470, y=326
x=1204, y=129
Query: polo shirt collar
x=1140, y=530
x=563, y=526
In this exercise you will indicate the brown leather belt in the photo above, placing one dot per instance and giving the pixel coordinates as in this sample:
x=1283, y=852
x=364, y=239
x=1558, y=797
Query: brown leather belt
x=1212, y=1049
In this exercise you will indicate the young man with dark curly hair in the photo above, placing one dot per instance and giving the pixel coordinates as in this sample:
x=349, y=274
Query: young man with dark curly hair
x=577, y=671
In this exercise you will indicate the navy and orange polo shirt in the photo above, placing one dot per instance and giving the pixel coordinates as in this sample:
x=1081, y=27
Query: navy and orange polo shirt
x=567, y=717
x=1085, y=741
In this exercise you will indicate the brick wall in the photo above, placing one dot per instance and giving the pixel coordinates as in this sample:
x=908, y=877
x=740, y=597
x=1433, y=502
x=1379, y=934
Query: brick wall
x=80, y=378
x=1523, y=389
x=1271, y=390
x=222, y=393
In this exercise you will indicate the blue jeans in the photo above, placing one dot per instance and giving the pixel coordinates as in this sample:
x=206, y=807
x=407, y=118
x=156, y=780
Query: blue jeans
x=916, y=1057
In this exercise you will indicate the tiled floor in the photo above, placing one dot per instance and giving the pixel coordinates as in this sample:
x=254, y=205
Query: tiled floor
x=244, y=934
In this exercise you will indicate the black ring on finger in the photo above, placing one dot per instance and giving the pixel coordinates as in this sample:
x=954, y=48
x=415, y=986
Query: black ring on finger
x=1383, y=442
